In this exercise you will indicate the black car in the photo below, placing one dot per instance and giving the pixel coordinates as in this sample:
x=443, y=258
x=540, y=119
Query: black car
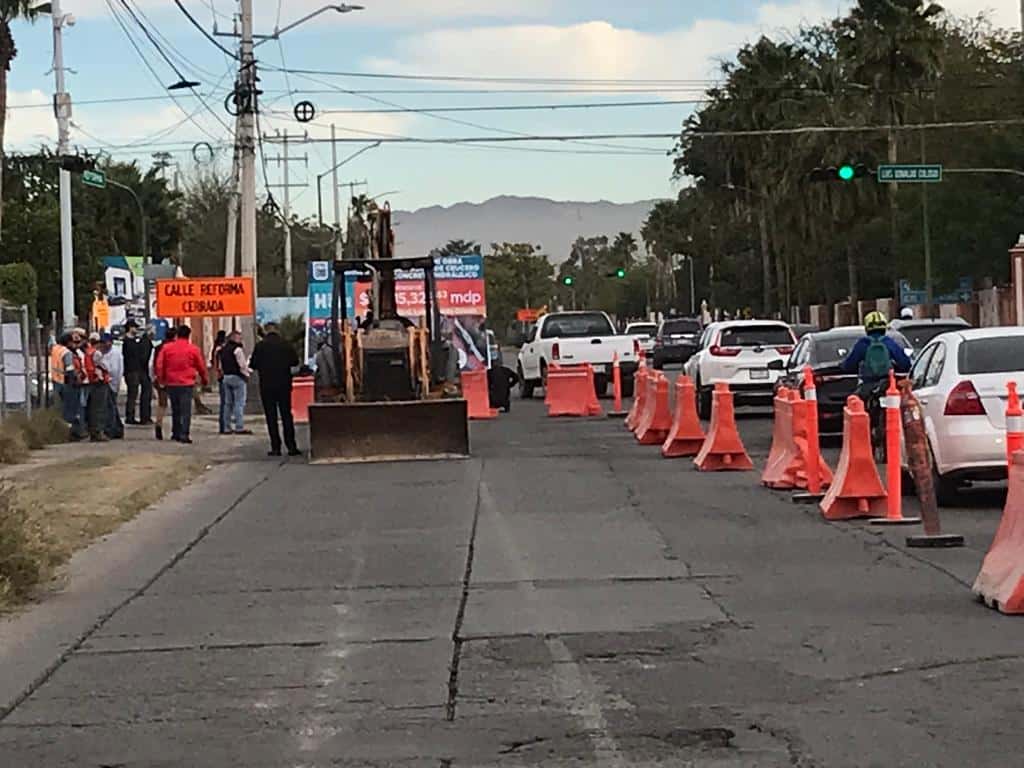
x=824, y=352
x=676, y=341
x=919, y=332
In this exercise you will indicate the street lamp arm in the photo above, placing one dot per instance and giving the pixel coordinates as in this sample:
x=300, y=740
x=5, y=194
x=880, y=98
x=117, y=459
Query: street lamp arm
x=1011, y=171
x=320, y=178
x=278, y=31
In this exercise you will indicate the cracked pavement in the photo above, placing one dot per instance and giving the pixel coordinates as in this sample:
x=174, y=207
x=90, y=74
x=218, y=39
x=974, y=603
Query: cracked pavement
x=565, y=597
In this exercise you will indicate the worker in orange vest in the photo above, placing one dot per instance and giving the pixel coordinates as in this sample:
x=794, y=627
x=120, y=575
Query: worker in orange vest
x=97, y=383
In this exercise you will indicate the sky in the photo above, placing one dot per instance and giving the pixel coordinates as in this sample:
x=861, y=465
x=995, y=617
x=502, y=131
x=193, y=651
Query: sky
x=569, y=40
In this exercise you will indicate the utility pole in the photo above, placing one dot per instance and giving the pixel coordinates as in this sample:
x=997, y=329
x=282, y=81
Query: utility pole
x=247, y=86
x=62, y=110
x=284, y=160
x=231, y=247
x=334, y=186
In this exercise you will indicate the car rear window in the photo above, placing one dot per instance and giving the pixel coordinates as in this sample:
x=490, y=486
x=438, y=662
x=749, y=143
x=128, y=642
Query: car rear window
x=577, y=326
x=680, y=326
x=1003, y=354
x=756, y=336
x=920, y=335
x=641, y=330
x=833, y=348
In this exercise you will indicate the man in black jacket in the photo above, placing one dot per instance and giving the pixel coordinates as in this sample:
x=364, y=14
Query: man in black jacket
x=274, y=358
x=137, y=350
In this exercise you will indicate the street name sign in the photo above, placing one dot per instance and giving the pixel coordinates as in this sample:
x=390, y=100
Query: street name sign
x=96, y=179
x=890, y=174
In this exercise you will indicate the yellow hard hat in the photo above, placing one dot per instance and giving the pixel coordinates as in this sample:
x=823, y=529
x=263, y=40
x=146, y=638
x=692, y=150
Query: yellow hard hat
x=875, y=321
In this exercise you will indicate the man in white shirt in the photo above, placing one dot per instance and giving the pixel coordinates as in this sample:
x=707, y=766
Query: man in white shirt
x=235, y=367
x=113, y=362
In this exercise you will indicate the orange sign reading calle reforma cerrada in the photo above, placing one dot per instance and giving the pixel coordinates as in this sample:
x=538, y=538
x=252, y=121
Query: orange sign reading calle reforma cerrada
x=206, y=297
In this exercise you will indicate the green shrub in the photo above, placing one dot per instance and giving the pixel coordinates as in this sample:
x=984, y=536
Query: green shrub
x=49, y=427
x=18, y=284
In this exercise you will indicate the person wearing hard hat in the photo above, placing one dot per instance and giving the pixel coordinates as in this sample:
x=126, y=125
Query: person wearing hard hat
x=906, y=313
x=875, y=355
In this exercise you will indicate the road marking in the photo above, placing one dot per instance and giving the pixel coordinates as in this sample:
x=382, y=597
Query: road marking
x=574, y=684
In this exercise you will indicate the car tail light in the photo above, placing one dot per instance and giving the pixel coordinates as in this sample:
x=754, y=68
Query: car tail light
x=964, y=400
x=556, y=353
x=784, y=350
x=718, y=351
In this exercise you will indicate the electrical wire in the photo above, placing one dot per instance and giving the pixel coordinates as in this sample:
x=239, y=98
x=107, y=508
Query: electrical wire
x=512, y=107
x=515, y=80
x=207, y=35
x=182, y=60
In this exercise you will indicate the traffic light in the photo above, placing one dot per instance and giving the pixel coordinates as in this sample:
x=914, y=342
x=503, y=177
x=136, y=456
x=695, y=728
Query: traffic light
x=844, y=173
x=620, y=273
x=568, y=280
x=75, y=163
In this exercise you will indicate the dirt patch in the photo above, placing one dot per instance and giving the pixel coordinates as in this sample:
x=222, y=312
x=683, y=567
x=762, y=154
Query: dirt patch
x=49, y=513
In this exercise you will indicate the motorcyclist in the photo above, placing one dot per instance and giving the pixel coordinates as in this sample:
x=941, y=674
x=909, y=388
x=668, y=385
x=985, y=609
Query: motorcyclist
x=874, y=355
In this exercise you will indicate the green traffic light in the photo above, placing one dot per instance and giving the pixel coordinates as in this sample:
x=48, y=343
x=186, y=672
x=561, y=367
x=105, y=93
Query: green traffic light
x=621, y=274
x=846, y=172
x=567, y=280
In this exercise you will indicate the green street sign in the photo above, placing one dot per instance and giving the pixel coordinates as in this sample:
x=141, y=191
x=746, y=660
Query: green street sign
x=891, y=174
x=96, y=179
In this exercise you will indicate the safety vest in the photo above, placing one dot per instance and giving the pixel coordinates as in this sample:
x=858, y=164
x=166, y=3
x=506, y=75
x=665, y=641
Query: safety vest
x=76, y=361
x=94, y=374
x=57, y=353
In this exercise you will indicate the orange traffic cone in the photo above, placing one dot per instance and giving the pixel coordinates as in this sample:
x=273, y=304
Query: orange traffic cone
x=1014, y=422
x=658, y=422
x=857, y=489
x=640, y=392
x=1001, y=580
x=647, y=402
x=795, y=474
x=723, y=449
x=686, y=436
x=478, y=398
x=783, y=450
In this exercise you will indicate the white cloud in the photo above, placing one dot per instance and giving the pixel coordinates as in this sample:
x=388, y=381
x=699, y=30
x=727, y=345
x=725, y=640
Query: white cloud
x=1003, y=13
x=29, y=125
x=595, y=49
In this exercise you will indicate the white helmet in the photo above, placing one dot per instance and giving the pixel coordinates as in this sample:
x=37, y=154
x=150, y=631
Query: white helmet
x=906, y=313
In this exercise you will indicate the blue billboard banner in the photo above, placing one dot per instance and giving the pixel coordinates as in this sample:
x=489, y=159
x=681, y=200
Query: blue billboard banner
x=911, y=296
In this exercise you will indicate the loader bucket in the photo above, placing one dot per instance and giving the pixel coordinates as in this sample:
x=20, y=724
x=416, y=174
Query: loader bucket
x=388, y=431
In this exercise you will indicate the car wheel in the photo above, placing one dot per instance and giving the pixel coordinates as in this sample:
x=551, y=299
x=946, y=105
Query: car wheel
x=946, y=494
x=526, y=386
x=703, y=402
x=628, y=387
x=601, y=385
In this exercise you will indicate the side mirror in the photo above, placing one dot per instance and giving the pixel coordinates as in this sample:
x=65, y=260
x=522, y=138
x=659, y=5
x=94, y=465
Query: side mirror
x=777, y=365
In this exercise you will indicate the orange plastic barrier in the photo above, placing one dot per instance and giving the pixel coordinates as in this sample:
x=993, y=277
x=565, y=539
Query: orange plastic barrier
x=617, y=412
x=639, y=399
x=570, y=392
x=723, y=449
x=478, y=397
x=658, y=421
x=303, y=394
x=795, y=474
x=857, y=489
x=686, y=436
x=1014, y=422
x=783, y=449
x=1001, y=580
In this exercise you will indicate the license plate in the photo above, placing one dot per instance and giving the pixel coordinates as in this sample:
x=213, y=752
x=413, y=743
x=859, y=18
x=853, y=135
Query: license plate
x=757, y=374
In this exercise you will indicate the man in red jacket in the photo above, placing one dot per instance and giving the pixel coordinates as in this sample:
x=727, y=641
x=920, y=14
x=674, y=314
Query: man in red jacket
x=176, y=369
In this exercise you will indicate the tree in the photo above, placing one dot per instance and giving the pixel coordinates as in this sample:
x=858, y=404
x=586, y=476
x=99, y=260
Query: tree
x=518, y=276
x=460, y=248
x=9, y=11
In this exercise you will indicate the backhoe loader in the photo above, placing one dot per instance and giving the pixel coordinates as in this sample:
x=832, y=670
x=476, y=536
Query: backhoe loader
x=398, y=394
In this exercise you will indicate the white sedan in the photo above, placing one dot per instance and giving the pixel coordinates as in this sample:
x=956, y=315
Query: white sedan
x=960, y=379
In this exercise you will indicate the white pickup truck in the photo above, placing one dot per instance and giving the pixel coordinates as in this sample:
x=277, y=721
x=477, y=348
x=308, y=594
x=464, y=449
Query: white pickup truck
x=575, y=338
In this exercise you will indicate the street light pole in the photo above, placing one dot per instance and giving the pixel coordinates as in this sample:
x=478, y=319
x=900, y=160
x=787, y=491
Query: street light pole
x=62, y=109
x=247, y=150
x=142, y=212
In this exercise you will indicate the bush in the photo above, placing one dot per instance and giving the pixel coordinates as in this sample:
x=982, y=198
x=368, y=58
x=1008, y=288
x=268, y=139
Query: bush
x=44, y=428
x=13, y=447
x=27, y=553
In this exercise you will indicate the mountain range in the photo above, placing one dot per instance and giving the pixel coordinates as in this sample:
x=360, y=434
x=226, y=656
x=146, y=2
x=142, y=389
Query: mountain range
x=553, y=225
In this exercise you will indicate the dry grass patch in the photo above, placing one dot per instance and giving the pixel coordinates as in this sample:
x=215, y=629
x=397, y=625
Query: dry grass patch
x=48, y=514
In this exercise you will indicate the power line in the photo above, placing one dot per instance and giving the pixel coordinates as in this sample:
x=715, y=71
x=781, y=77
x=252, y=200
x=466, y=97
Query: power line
x=207, y=35
x=516, y=80
x=512, y=107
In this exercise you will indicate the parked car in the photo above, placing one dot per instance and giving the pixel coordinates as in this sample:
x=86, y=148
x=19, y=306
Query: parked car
x=824, y=351
x=493, y=350
x=738, y=352
x=574, y=338
x=676, y=341
x=802, y=329
x=960, y=379
x=920, y=332
x=644, y=334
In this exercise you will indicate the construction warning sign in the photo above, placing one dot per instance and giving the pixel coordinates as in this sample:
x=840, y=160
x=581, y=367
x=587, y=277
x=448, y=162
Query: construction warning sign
x=206, y=297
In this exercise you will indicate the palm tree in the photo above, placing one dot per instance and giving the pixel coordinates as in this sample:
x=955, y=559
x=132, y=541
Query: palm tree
x=9, y=11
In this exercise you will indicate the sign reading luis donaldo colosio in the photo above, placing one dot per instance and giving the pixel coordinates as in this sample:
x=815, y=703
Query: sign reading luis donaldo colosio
x=206, y=297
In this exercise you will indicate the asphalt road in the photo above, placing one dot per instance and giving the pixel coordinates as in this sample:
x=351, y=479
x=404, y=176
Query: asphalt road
x=565, y=597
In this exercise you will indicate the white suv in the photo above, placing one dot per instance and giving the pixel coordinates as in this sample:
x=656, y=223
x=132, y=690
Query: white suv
x=738, y=352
